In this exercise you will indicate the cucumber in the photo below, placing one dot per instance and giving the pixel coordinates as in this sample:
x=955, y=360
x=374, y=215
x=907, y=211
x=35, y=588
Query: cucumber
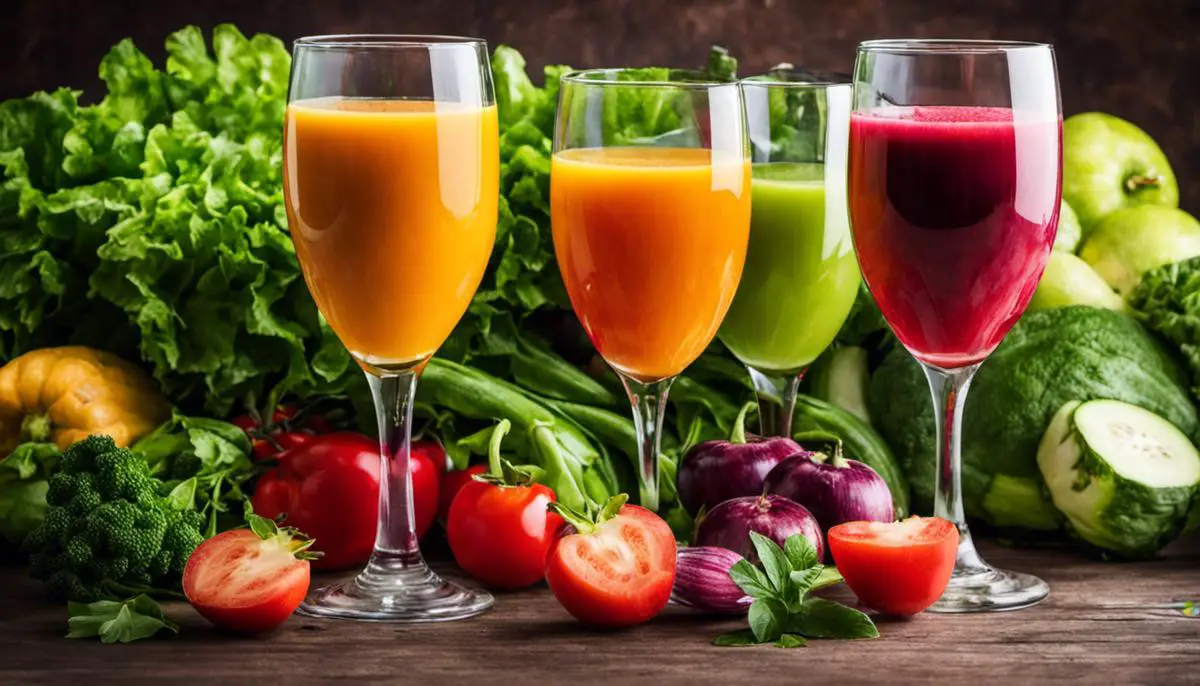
x=1123, y=476
x=859, y=441
x=840, y=377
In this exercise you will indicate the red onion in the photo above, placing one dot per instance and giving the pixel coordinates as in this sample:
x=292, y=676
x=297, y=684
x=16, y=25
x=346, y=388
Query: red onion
x=835, y=490
x=702, y=580
x=729, y=524
x=715, y=471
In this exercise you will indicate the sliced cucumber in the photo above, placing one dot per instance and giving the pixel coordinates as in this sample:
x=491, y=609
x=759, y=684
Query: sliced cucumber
x=840, y=378
x=1123, y=476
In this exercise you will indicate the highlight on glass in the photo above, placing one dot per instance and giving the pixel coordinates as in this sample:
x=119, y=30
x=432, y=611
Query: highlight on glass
x=801, y=277
x=650, y=211
x=954, y=191
x=391, y=182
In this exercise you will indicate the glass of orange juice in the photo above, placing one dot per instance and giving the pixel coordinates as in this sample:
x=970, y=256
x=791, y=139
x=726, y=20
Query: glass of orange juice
x=391, y=184
x=650, y=211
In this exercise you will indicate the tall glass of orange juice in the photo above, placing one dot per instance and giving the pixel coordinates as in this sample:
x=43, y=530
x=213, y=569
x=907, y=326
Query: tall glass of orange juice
x=391, y=181
x=650, y=211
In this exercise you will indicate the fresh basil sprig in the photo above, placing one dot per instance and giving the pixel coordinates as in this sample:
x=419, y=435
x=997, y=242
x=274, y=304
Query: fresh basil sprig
x=782, y=612
x=119, y=621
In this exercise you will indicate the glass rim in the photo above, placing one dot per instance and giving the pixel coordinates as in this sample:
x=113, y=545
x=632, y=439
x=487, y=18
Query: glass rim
x=798, y=79
x=368, y=41
x=607, y=78
x=952, y=46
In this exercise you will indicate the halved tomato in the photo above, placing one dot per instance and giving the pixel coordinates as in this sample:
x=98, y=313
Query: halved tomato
x=614, y=573
x=242, y=581
x=898, y=568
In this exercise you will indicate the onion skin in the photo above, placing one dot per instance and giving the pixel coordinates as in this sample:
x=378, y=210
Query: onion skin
x=835, y=490
x=729, y=524
x=715, y=471
x=702, y=581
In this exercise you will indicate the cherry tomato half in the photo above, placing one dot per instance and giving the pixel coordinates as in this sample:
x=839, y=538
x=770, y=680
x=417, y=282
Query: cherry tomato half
x=244, y=583
x=618, y=575
x=898, y=568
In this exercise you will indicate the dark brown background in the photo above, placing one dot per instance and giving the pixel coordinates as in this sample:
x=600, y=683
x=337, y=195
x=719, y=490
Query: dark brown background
x=1137, y=59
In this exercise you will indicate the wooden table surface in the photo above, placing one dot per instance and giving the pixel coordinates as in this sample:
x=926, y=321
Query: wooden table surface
x=1098, y=626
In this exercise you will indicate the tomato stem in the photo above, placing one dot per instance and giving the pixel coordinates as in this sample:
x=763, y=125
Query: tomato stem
x=495, y=466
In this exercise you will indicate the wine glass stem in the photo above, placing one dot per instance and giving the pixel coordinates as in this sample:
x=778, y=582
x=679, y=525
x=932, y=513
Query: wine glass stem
x=776, y=400
x=396, y=537
x=949, y=389
x=649, y=401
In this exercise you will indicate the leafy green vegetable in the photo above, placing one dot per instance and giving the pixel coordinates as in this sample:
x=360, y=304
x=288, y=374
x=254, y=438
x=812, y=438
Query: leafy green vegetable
x=24, y=479
x=1049, y=358
x=108, y=532
x=118, y=621
x=205, y=464
x=782, y=611
x=1167, y=300
x=152, y=224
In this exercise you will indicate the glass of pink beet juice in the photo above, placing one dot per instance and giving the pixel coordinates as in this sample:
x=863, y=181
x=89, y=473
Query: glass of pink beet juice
x=954, y=189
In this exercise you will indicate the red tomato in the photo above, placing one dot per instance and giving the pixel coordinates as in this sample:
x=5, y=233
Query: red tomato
x=329, y=488
x=899, y=568
x=618, y=575
x=500, y=534
x=452, y=483
x=277, y=442
x=244, y=583
x=244, y=422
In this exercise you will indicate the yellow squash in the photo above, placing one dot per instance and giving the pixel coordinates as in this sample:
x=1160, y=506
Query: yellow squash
x=65, y=394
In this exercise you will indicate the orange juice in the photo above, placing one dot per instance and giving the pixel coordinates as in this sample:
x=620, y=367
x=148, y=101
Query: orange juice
x=392, y=206
x=651, y=243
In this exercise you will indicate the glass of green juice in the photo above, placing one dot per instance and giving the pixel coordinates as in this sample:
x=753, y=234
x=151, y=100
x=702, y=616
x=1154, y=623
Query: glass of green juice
x=801, y=276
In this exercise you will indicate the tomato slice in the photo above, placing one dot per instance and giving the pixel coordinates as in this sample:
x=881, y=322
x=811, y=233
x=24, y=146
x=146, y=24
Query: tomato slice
x=244, y=583
x=898, y=568
x=618, y=575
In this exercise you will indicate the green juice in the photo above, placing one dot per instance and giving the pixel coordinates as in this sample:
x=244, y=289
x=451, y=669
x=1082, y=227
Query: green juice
x=801, y=276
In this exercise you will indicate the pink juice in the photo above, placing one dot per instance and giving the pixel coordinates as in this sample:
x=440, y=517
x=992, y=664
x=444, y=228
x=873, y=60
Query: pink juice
x=954, y=211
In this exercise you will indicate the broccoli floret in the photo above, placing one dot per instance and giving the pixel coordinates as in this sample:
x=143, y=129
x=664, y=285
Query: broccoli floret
x=108, y=533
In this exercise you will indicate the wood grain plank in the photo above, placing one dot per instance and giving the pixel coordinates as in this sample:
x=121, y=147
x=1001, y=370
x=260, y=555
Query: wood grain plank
x=1098, y=626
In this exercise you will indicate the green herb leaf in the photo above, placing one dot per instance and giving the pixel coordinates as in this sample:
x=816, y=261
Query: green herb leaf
x=737, y=639
x=750, y=579
x=791, y=641
x=118, y=622
x=183, y=495
x=767, y=619
x=802, y=582
x=800, y=551
x=829, y=576
x=820, y=618
x=773, y=560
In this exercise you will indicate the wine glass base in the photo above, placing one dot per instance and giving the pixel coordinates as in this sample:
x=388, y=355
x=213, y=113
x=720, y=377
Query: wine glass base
x=385, y=593
x=987, y=589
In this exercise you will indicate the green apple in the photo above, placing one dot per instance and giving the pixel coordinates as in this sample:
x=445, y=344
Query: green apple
x=1110, y=164
x=1069, y=231
x=1068, y=281
x=1128, y=242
